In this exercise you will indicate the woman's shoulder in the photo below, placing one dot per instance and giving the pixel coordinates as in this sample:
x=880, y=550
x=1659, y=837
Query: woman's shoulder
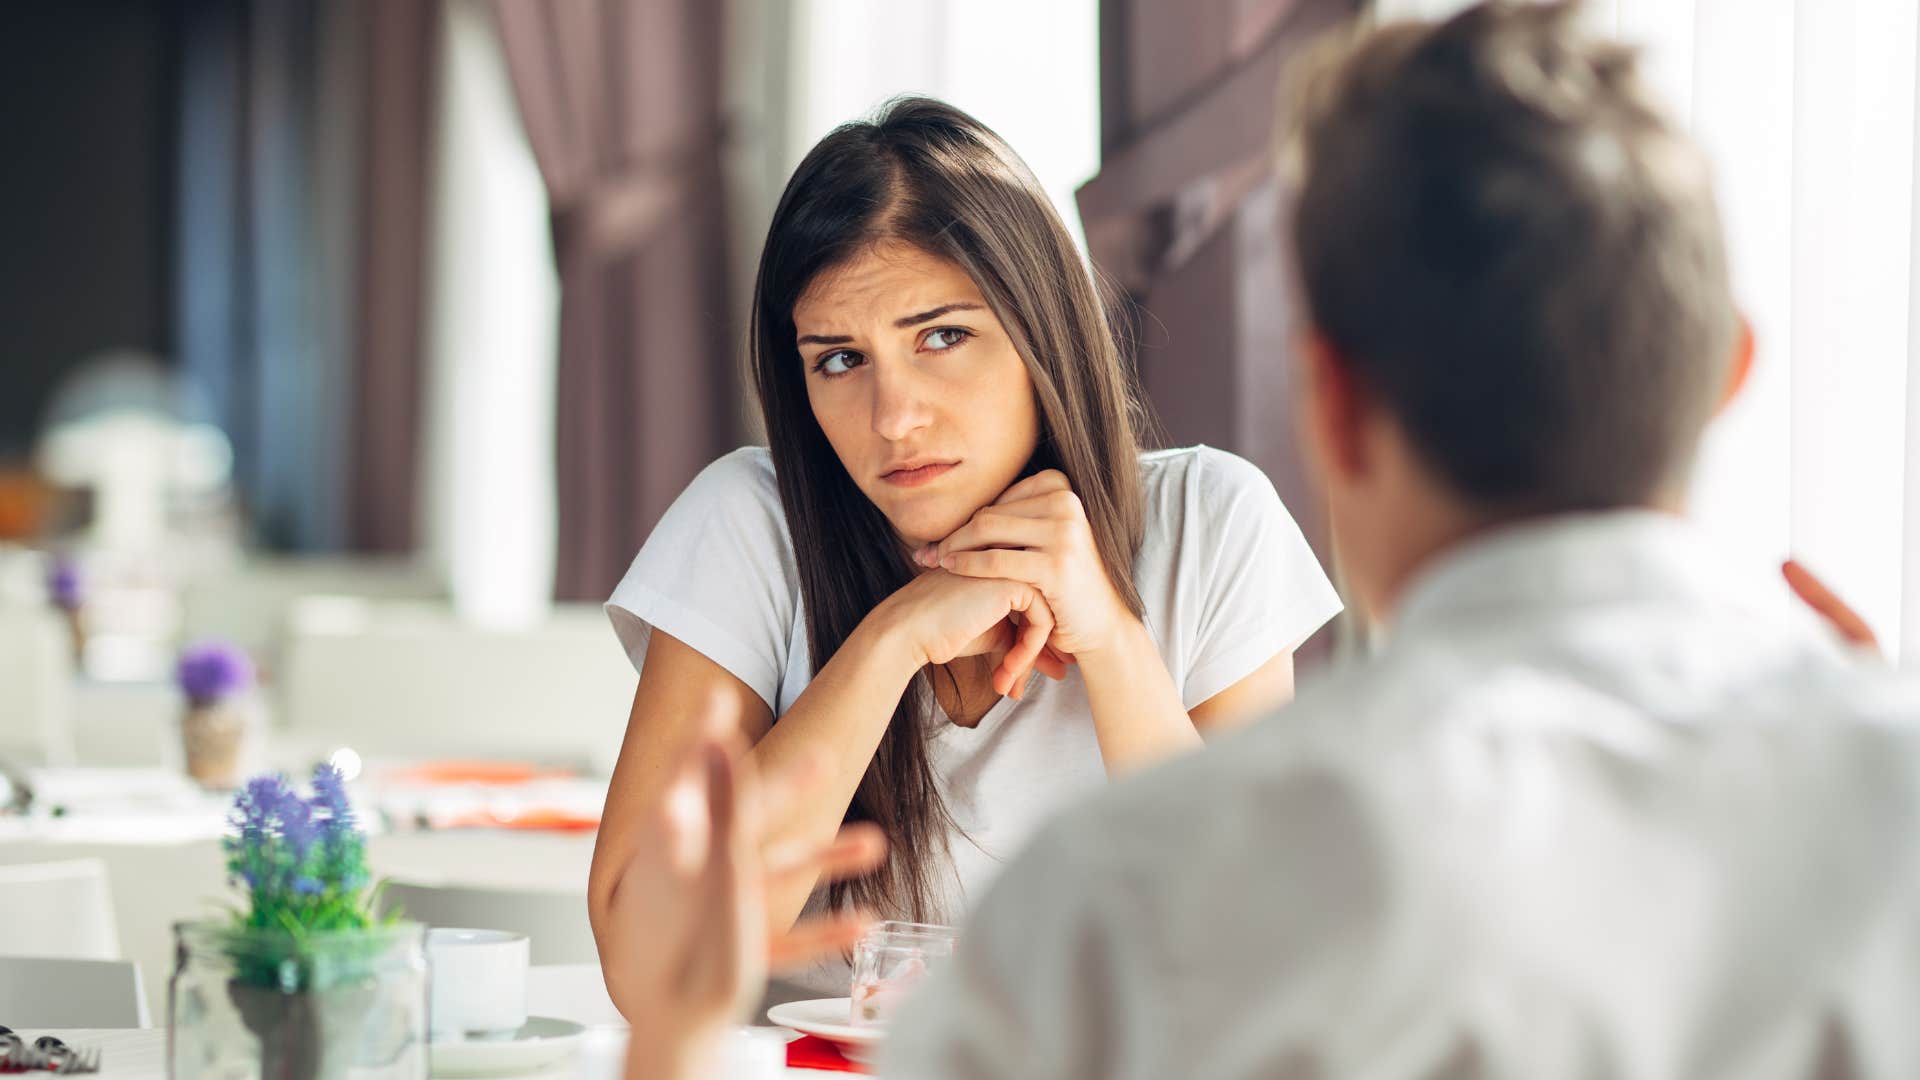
x=739, y=484
x=742, y=473
x=737, y=495
x=1206, y=475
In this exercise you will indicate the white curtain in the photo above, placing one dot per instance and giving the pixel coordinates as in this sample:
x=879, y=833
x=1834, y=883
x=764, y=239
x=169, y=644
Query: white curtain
x=492, y=332
x=1028, y=70
x=1807, y=110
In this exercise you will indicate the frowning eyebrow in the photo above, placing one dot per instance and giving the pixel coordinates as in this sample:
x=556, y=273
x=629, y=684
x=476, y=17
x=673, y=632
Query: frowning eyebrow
x=929, y=316
x=899, y=324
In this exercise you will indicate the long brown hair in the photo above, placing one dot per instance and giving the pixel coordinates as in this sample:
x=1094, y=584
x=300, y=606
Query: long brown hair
x=927, y=174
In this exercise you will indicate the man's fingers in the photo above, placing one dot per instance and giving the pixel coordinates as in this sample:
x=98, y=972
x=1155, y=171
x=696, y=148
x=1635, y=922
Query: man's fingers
x=776, y=793
x=816, y=939
x=722, y=879
x=858, y=849
x=1821, y=599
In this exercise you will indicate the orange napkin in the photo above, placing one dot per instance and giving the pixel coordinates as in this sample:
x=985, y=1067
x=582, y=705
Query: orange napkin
x=471, y=772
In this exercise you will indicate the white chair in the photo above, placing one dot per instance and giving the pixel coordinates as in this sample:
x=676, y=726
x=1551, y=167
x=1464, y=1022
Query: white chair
x=555, y=922
x=398, y=680
x=44, y=992
x=250, y=603
x=60, y=909
x=36, y=672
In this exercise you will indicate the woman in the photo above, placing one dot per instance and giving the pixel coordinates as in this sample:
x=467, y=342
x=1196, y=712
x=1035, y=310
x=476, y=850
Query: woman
x=952, y=498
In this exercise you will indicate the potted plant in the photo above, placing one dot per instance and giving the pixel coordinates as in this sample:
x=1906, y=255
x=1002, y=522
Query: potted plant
x=217, y=681
x=66, y=588
x=303, y=978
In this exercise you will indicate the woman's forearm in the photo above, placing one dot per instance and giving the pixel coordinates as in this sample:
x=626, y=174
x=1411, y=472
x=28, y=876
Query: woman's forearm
x=1138, y=716
x=839, y=720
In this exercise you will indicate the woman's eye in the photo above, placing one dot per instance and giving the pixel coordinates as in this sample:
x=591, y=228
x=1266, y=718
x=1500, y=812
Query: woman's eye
x=945, y=337
x=838, y=362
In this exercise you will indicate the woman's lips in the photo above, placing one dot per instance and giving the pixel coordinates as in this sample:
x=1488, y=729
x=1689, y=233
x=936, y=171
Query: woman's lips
x=925, y=474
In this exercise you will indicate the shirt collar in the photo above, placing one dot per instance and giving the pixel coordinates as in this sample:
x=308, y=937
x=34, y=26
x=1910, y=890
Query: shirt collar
x=1570, y=561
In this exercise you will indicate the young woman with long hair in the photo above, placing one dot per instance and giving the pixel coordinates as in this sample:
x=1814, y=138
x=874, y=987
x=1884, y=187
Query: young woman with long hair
x=952, y=498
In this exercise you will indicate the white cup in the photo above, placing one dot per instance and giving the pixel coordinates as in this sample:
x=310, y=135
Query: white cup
x=478, y=984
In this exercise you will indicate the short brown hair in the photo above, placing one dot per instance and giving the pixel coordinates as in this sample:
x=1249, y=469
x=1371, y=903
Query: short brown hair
x=1511, y=245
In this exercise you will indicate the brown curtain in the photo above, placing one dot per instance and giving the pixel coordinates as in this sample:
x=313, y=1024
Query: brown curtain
x=302, y=144
x=1185, y=216
x=397, y=48
x=622, y=104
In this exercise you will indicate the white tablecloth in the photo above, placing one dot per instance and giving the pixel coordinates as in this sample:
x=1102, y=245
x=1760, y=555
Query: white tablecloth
x=133, y=1054
x=159, y=837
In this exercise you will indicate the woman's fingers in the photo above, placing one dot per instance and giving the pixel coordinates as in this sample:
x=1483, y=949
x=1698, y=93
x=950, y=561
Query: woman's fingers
x=1031, y=567
x=989, y=529
x=1036, y=627
x=1821, y=599
x=1039, y=483
x=1048, y=664
x=815, y=939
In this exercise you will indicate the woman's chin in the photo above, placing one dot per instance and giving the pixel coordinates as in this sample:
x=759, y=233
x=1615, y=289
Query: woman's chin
x=928, y=525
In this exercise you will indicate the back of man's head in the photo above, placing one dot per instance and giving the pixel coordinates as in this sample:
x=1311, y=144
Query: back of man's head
x=1518, y=254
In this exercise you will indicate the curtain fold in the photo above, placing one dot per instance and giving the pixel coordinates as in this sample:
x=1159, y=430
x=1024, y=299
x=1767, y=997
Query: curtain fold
x=1185, y=216
x=299, y=283
x=621, y=100
x=396, y=39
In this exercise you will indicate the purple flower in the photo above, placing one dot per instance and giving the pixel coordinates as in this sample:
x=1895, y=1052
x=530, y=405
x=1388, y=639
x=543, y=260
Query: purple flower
x=213, y=670
x=65, y=585
x=302, y=860
x=297, y=826
x=256, y=807
x=330, y=792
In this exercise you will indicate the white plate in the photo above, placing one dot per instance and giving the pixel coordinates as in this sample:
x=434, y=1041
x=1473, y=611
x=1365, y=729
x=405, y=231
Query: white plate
x=540, y=1043
x=828, y=1018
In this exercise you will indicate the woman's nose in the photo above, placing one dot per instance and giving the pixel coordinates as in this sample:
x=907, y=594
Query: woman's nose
x=901, y=405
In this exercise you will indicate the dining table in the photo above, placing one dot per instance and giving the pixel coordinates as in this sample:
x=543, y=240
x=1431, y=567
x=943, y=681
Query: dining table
x=141, y=1054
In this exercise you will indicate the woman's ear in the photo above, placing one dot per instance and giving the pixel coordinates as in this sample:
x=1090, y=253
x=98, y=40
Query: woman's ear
x=1740, y=366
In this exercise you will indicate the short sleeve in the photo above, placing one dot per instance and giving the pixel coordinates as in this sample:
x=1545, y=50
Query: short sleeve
x=718, y=574
x=1262, y=591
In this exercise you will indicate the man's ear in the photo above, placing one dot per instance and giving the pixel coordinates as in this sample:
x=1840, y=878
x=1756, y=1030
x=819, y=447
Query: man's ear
x=1740, y=367
x=1337, y=407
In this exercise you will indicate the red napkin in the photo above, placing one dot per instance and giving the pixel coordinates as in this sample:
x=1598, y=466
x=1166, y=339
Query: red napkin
x=809, y=1052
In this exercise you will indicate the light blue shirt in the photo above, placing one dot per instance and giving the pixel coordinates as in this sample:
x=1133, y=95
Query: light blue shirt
x=1597, y=809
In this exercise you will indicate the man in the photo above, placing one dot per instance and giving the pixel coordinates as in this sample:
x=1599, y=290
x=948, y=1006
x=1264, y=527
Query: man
x=1595, y=808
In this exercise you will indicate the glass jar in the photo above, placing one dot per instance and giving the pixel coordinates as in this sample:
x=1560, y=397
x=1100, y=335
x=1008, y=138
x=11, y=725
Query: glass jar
x=889, y=960
x=244, y=1004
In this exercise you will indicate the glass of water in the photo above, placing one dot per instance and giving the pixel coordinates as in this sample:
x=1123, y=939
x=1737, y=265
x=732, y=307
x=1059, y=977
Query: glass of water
x=889, y=960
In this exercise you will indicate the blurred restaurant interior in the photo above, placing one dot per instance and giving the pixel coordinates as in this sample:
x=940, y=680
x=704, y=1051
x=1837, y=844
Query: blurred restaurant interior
x=352, y=349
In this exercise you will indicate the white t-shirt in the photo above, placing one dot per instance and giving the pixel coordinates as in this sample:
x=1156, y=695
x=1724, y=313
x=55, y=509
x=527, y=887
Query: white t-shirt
x=1226, y=577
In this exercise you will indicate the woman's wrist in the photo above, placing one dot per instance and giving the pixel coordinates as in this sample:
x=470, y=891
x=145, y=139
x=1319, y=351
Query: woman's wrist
x=886, y=636
x=1123, y=642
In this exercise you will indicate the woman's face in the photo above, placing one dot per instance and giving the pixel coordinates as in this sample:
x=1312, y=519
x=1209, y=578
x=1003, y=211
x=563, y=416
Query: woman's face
x=917, y=386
